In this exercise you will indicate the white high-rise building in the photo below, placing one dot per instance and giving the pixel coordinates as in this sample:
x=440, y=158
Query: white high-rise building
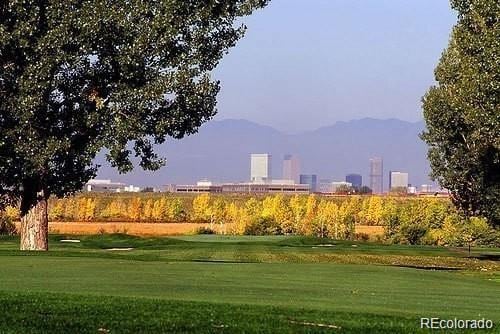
x=291, y=168
x=398, y=180
x=260, y=168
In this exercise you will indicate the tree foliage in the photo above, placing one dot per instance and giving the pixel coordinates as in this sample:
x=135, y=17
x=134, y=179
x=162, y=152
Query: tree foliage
x=7, y=227
x=79, y=76
x=462, y=111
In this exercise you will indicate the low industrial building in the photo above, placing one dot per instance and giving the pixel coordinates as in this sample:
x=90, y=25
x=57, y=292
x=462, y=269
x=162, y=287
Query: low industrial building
x=96, y=185
x=251, y=187
x=107, y=186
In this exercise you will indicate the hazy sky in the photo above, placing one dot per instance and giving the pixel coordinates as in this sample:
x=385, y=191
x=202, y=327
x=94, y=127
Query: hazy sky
x=304, y=64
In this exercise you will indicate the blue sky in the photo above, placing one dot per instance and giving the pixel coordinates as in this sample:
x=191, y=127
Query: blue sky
x=304, y=64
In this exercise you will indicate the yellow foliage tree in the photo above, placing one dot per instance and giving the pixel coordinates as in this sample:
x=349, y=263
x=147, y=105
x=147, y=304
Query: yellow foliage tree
x=81, y=212
x=345, y=220
x=325, y=222
x=201, y=207
x=134, y=209
x=90, y=209
x=218, y=215
x=282, y=214
x=268, y=207
x=56, y=210
x=373, y=211
x=147, y=211
x=306, y=226
x=253, y=207
x=12, y=213
x=116, y=209
x=174, y=209
x=238, y=218
x=70, y=209
x=298, y=210
x=159, y=207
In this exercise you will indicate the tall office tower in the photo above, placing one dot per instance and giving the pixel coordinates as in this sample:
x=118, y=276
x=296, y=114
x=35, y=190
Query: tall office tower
x=355, y=179
x=260, y=168
x=311, y=180
x=398, y=180
x=377, y=175
x=291, y=168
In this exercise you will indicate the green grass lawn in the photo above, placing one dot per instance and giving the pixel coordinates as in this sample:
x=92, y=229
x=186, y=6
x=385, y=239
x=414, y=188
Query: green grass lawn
x=215, y=284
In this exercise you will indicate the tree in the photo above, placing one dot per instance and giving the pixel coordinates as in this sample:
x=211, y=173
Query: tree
x=201, y=208
x=372, y=211
x=364, y=190
x=311, y=206
x=159, y=208
x=147, y=211
x=134, y=209
x=77, y=77
x=399, y=190
x=462, y=112
x=175, y=210
x=344, y=189
x=298, y=211
x=115, y=210
x=325, y=218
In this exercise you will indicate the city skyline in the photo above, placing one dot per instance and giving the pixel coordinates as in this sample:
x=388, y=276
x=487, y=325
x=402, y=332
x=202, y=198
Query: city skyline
x=221, y=148
x=261, y=181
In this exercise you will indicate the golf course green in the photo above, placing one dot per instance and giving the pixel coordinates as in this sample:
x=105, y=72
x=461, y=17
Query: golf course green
x=219, y=284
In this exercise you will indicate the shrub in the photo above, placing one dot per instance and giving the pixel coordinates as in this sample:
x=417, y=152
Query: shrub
x=475, y=231
x=361, y=236
x=7, y=227
x=263, y=226
x=204, y=230
x=413, y=233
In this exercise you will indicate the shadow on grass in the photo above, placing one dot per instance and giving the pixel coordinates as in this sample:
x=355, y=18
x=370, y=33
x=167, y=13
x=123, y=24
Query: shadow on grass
x=437, y=268
x=488, y=257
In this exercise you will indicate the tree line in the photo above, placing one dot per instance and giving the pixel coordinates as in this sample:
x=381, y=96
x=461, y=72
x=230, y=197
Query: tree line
x=407, y=220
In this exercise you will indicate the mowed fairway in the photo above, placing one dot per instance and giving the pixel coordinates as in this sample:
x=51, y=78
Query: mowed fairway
x=214, y=284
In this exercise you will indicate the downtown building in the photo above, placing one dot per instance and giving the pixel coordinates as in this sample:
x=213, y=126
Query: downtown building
x=398, y=180
x=260, y=168
x=355, y=180
x=311, y=180
x=377, y=175
x=291, y=168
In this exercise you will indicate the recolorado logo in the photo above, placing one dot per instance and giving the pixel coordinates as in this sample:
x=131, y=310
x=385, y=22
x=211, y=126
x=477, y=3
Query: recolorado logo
x=438, y=323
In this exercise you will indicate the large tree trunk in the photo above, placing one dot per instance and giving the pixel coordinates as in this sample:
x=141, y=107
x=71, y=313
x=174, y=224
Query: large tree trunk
x=35, y=225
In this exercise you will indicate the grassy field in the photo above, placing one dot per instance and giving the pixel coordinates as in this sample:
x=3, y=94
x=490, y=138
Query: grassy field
x=218, y=284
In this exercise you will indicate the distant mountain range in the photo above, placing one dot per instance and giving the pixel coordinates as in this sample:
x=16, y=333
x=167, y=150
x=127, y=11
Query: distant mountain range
x=221, y=152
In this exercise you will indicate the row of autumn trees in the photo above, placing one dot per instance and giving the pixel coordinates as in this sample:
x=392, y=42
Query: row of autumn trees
x=405, y=220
